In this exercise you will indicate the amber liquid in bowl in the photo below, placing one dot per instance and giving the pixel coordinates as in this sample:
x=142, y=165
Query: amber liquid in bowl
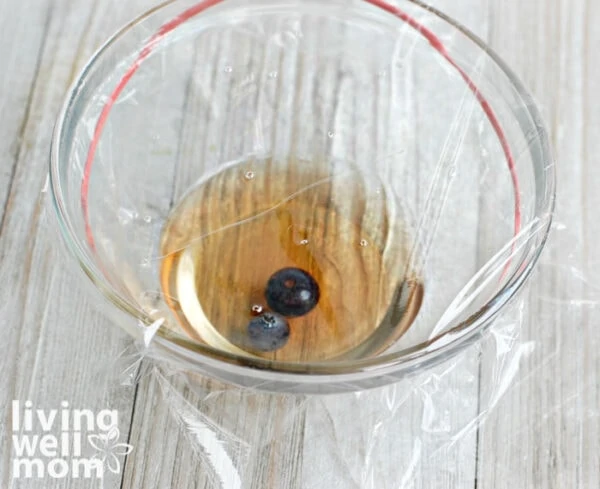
x=232, y=231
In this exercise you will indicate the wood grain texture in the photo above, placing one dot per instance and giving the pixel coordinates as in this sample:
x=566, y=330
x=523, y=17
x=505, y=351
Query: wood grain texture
x=53, y=349
x=22, y=41
x=543, y=433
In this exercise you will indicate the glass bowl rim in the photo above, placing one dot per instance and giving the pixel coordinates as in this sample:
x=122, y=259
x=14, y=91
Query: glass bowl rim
x=423, y=354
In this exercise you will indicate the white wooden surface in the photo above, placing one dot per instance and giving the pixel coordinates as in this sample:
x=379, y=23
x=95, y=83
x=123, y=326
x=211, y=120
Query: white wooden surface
x=543, y=433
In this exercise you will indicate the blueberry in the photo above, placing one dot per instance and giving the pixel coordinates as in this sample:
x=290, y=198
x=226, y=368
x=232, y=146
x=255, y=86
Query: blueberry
x=268, y=332
x=292, y=292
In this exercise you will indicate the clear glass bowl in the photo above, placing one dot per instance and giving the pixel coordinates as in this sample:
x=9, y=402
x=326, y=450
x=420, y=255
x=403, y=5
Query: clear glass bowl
x=420, y=109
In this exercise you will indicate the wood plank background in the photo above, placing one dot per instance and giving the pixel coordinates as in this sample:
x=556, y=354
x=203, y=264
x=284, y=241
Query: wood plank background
x=543, y=432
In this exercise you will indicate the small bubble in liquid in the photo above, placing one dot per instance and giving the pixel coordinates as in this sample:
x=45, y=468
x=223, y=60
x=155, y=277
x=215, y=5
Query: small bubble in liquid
x=364, y=243
x=330, y=134
x=249, y=175
x=273, y=74
x=228, y=69
x=304, y=242
x=148, y=219
x=257, y=309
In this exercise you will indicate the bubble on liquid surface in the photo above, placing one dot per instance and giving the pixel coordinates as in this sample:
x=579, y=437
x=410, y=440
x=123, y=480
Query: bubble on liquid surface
x=304, y=242
x=273, y=74
x=330, y=134
x=228, y=69
x=257, y=309
x=364, y=243
x=249, y=175
x=148, y=219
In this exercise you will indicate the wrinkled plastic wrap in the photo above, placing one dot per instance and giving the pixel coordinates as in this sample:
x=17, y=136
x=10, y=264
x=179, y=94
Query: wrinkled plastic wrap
x=427, y=118
x=414, y=433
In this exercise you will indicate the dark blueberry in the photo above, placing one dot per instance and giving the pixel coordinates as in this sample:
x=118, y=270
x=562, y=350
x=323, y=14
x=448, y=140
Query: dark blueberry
x=292, y=292
x=268, y=332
